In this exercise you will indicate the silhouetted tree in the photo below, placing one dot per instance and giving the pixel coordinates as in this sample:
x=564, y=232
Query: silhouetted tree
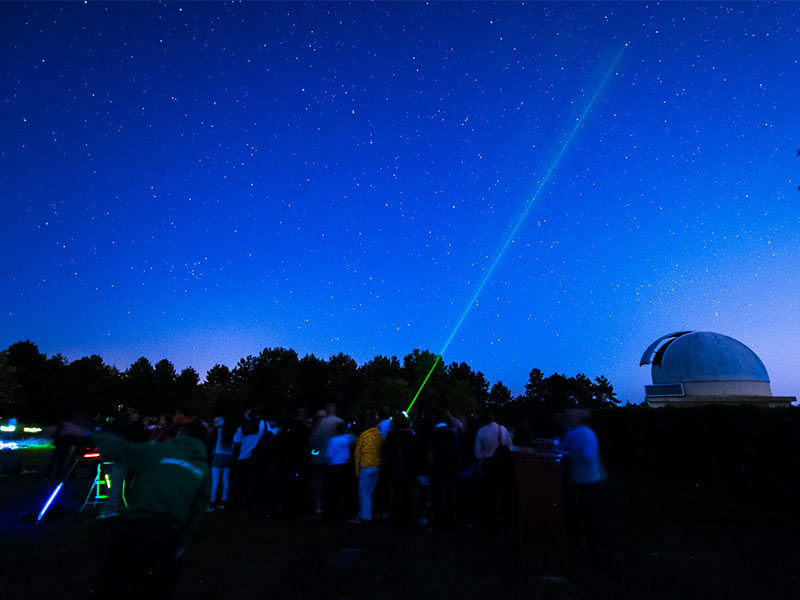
x=499, y=396
x=217, y=392
x=164, y=376
x=603, y=393
x=275, y=381
x=534, y=391
x=139, y=387
x=343, y=381
x=392, y=393
x=30, y=371
x=266, y=381
x=380, y=367
x=382, y=386
x=476, y=382
x=94, y=385
x=416, y=367
x=9, y=388
x=312, y=380
x=55, y=396
x=186, y=391
x=558, y=393
x=581, y=391
x=460, y=398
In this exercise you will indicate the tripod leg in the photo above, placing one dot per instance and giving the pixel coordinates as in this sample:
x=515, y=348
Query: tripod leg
x=95, y=484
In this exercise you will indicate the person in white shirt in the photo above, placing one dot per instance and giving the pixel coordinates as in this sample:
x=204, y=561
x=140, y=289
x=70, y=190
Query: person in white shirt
x=494, y=475
x=490, y=437
x=247, y=437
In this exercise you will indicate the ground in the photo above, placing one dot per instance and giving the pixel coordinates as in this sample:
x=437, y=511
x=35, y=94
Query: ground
x=677, y=539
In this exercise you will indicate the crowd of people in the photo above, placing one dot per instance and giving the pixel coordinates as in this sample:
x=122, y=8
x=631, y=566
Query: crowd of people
x=444, y=471
x=441, y=472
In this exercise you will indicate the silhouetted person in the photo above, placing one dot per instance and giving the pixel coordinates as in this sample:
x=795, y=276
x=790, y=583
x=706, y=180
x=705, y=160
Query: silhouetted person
x=291, y=454
x=380, y=499
x=247, y=438
x=423, y=426
x=338, y=485
x=494, y=474
x=62, y=447
x=367, y=461
x=467, y=484
x=165, y=509
x=222, y=450
x=398, y=468
x=443, y=460
x=128, y=425
x=586, y=496
x=318, y=444
x=524, y=435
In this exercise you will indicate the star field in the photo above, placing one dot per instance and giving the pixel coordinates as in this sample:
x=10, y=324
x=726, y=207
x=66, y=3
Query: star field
x=201, y=181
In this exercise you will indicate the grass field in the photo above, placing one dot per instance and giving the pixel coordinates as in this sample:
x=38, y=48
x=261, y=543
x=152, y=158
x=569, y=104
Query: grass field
x=676, y=540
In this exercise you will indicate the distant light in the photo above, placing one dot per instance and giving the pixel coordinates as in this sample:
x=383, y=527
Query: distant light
x=31, y=429
x=92, y=455
x=26, y=443
x=49, y=501
x=8, y=428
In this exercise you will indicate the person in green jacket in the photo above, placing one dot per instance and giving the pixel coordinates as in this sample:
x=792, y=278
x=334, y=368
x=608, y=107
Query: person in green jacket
x=165, y=507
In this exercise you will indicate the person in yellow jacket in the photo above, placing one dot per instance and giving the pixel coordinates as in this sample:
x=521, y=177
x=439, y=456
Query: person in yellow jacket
x=367, y=463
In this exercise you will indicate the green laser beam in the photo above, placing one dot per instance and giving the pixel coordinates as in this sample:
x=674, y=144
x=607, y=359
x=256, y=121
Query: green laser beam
x=553, y=165
x=436, y=362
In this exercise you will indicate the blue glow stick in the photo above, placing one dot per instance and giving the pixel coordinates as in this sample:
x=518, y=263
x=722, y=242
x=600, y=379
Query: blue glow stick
x=49, y=502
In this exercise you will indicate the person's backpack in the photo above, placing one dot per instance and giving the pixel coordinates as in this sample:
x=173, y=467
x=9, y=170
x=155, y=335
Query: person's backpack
x=503, y=459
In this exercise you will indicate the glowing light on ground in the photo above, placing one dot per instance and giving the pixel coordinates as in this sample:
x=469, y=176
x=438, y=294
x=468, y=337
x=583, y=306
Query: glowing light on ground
x=26, y=444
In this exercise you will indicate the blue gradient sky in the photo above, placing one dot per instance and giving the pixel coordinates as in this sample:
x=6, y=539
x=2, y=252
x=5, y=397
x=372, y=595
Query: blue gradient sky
x=200, y=181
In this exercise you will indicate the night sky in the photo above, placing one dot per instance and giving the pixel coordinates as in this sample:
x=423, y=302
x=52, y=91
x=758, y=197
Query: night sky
x=200, y=181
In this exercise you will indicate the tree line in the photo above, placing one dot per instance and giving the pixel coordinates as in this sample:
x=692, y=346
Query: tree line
x=46, y=389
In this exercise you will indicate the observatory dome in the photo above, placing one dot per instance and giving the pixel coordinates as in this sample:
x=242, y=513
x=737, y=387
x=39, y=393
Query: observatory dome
x=706, y=356
x=702, y=363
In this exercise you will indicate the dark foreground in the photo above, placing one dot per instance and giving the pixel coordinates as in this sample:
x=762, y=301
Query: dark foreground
x=676, y=540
